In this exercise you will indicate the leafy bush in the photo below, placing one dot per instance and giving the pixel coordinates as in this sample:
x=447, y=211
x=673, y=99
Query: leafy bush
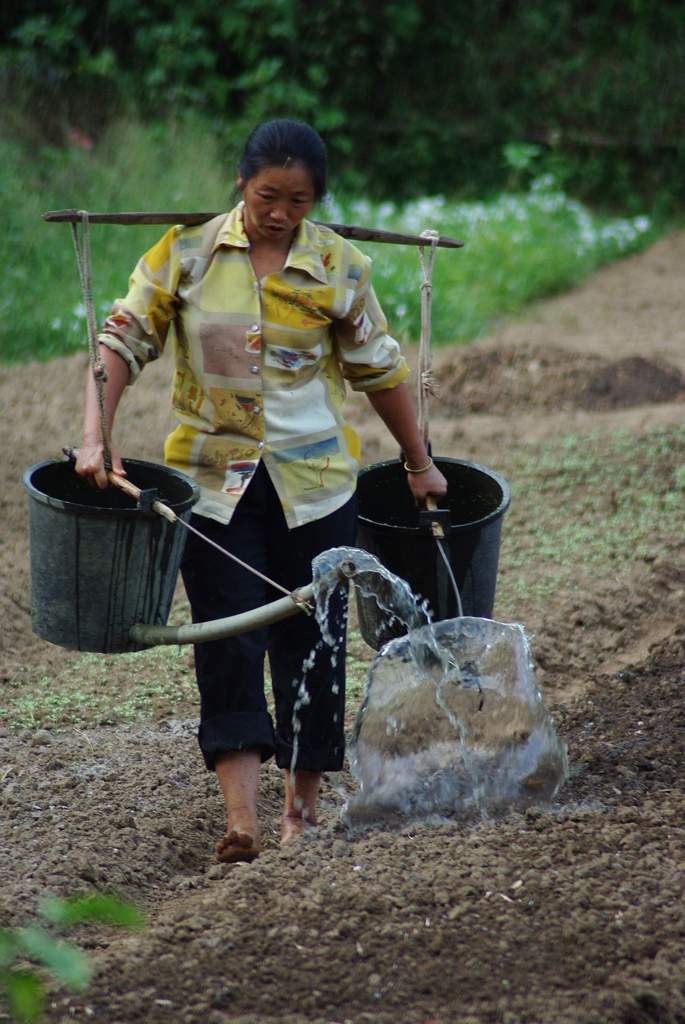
x=416, y=96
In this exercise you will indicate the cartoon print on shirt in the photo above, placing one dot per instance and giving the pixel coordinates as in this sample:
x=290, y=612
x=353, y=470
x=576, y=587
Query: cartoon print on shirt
x=236, y=412
x=315, y=456
x=187, y=394
x=117, y=323
x=238, y=475
x=300, y=307
x=253, y=344
x=319, y=463
x=290, y=358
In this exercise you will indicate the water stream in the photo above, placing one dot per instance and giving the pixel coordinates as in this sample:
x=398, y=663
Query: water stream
x=452, y=721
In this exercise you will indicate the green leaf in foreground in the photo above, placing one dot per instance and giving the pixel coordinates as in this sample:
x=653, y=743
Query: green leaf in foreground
x=24, y=994
x=8, y=948
x=96, y=907
x=65, y=961
x=23, y=987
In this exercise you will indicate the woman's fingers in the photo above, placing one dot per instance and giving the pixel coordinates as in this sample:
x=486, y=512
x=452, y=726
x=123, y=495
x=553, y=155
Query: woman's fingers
x=117, y=466
x=90, y=464
x=430, y=482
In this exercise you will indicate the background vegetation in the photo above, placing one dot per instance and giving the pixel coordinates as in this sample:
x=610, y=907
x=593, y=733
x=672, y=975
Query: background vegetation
x=519, y=245
x=414, y=96
x=427, y=109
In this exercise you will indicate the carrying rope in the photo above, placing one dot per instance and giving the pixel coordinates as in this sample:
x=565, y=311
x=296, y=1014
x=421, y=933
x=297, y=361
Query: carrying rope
x=426, y=381
x=83, y=262
x=427, y=387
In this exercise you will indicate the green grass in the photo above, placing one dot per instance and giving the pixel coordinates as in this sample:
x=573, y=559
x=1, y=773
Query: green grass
x=132, y=168
x=96, y=689
x=85, y=692
x=519, y=246
x=587, y=508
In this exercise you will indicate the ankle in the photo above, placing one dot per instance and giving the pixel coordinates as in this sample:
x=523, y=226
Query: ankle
x=295, y=825
x=242, y=822
x=306, y=815
x=301, y=795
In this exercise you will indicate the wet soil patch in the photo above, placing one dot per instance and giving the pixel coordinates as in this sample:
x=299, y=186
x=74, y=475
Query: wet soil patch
x=632, y=381
x=507, y=377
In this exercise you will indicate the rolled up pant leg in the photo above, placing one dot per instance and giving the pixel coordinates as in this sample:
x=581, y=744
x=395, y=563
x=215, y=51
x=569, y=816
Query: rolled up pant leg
x=315, y=733
x=230, y=672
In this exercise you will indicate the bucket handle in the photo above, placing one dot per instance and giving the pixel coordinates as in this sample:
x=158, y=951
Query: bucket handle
x=437, y=518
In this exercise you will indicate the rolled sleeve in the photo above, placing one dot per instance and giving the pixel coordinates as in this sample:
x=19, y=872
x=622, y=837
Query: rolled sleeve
x=370, y=358
x=125, y=350
x=138, y=325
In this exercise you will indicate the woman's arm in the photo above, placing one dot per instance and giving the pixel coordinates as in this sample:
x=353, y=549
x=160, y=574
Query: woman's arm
x=394, y=406
x=90, y=462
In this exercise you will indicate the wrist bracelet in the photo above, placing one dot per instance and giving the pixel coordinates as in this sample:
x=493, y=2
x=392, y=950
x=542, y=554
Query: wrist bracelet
x=424, y=469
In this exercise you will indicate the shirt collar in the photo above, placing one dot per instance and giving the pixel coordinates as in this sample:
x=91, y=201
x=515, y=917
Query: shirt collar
x=304, y=253
x=232, y=231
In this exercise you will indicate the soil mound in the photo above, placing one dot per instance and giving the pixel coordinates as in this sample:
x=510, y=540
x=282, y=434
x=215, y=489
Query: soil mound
x=507, y=378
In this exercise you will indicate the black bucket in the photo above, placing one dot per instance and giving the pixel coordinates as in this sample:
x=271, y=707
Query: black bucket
x=99, y=564
x=389, y=528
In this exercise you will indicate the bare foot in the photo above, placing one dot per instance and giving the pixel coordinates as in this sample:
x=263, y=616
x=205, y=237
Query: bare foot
x=235, y=847
x=293, y=826
x=299, y=810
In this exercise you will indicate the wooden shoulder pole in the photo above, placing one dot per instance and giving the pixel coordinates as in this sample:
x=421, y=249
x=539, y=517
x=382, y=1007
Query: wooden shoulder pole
x=357, y=234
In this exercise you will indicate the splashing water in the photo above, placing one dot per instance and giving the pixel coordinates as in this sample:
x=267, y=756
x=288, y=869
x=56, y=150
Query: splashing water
x=372, y=580
x=475, y=739
x=452, y=721
x=330, y=570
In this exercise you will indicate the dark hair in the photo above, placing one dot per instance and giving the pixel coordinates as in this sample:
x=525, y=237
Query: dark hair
x=275, y=143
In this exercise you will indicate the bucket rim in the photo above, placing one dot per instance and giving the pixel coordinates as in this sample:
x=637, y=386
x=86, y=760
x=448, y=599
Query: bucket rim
x=479, y=524
x=79, y=509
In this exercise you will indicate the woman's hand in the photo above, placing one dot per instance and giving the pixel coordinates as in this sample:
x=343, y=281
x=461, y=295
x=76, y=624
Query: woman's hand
x=394, y=407
x=90, y=463
x=430, y=482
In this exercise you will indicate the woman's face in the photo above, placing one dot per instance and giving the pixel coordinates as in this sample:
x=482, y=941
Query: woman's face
x=276, y=200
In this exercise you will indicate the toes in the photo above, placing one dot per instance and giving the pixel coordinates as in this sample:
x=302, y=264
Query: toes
x=236, y=846
x=235, y=838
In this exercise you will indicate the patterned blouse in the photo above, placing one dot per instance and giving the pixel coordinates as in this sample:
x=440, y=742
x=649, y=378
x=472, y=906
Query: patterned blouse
x=260, y=365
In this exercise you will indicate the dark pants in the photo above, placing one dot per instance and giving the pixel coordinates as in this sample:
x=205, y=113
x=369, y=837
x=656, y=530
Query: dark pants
x=230, y=672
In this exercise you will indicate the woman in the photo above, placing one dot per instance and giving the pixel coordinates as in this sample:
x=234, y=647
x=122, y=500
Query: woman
x=270, y=314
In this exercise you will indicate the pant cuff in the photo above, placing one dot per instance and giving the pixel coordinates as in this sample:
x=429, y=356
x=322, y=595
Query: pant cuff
x=236, y=730
x=311, y=759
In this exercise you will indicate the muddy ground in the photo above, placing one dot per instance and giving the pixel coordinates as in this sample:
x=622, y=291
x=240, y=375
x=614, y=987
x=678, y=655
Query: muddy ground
x=568, y=913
